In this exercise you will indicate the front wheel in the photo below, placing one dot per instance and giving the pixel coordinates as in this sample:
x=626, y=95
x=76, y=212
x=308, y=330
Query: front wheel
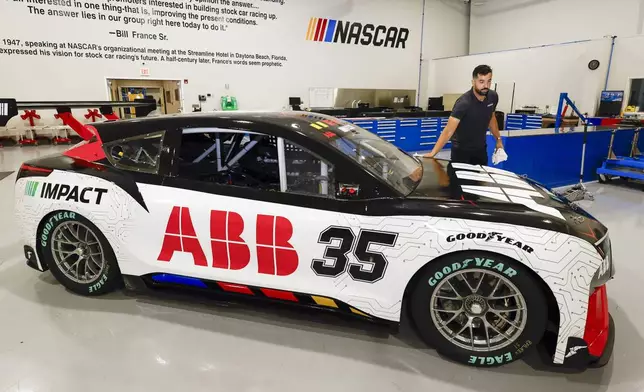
x=479, y=309
x=78, y=254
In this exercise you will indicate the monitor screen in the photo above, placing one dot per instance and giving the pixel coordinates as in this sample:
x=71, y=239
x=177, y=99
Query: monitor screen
x=612, y=96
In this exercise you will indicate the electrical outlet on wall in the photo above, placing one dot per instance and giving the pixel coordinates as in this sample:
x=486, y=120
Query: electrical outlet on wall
x=227, y=86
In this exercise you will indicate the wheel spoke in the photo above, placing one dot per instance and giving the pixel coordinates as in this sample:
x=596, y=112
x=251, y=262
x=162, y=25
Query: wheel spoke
x=504, y=310
x=471, y=332
x=497, y=330
x=65, y=242
x=449, y=311
x=498, y=282
x=88, y=267
x=71, y=266
x=78, y=268
x=464, y=275
x=450, y=298
x=62, y=233
x=487, y=334
x=445, y=323
x=458, y=296
x=504, y=319
x=461, y=331
x=504, y=296
x=77, y=231
x=66, y=257
x=478, y=286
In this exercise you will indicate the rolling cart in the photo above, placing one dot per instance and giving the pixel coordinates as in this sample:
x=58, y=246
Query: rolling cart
x=630, y=167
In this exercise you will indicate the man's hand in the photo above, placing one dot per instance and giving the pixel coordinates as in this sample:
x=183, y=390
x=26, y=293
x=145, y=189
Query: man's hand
x=430, y=154
x=499, y=144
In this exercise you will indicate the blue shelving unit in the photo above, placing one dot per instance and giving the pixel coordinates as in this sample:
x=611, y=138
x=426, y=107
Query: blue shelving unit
x=409, y=134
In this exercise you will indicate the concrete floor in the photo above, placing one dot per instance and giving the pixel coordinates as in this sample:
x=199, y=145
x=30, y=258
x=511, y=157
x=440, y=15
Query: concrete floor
x=52, y=340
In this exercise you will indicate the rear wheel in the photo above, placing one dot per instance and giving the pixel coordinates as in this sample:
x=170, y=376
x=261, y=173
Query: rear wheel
x=479, y=309
x=79, y=255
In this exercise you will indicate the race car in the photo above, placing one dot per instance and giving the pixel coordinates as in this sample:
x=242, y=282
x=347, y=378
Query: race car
x=307, y=209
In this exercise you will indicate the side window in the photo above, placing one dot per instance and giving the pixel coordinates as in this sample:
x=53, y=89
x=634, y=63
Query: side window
x=307, y=173
x=230, y=157
x=252, y=160
x=139, y=153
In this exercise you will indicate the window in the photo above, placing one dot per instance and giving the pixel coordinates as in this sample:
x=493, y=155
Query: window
x=381, y=158
x=230, y=158
x=248, y=159
x=307, y=173
x=139, y=153
x=636, y=96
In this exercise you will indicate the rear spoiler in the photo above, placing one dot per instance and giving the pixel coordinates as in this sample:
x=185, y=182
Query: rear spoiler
x=9, y=108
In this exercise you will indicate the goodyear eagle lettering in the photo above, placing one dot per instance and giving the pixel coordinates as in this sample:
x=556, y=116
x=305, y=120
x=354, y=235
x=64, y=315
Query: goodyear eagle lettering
x=355, y=33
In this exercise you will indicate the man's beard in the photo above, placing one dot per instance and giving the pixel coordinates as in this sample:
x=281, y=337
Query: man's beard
x=482, y=92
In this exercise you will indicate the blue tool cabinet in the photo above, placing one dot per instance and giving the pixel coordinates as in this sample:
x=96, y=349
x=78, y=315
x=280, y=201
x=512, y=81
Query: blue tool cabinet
x=523, y=121
x=408, y=134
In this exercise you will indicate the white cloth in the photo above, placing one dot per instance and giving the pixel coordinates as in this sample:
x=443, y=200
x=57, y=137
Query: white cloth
x=499, y=156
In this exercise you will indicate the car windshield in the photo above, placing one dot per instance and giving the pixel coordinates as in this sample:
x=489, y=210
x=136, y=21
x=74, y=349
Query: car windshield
x=379, y=157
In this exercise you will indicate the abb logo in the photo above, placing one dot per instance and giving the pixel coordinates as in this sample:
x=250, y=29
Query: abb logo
x=275, y=255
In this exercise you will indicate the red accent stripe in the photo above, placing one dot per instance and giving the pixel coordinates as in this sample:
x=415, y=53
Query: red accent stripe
x=597, y=322
x=317, y=30
x=111, y=117
x=235, y=288
x=278, y=294
x=323, y=29
x=35, y=169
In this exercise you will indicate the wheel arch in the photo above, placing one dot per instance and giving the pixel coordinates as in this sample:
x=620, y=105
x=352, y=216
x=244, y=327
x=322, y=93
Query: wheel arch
x=553, y=305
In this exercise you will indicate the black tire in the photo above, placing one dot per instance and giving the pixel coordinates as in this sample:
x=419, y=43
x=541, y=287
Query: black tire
x=517, y=274
x=108, y=280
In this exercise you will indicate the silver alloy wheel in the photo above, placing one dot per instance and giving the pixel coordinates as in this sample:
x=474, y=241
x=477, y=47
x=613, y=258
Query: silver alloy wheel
x=478, y=310
x=77, y=252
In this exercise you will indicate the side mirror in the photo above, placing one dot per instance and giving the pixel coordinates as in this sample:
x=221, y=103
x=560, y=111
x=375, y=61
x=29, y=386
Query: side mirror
x=348, y=191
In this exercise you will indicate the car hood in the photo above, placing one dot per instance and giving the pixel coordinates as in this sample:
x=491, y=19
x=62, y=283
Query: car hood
x=500, y=192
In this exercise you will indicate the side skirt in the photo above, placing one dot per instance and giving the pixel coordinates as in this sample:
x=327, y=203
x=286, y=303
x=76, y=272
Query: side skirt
x=234, y=291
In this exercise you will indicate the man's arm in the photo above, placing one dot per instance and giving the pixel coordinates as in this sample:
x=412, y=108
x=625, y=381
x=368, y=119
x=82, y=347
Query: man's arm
x=494, y=127
x=445, y=136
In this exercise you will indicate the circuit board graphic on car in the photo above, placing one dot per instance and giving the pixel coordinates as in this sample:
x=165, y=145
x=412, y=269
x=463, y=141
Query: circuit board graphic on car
x=307, y=209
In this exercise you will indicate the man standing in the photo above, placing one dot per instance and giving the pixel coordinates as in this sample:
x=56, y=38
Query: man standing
x=471, y=117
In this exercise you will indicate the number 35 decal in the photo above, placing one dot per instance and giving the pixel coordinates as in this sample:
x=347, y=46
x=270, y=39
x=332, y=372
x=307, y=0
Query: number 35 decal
x=371, y=266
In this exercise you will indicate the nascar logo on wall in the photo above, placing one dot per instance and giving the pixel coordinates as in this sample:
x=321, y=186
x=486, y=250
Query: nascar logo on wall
x=338, y=31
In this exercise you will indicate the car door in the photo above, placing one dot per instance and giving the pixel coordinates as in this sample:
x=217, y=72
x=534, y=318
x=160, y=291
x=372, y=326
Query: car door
x=246, y=208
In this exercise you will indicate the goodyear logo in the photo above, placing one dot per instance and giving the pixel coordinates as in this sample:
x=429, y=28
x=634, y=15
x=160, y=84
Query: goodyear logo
x=31, y=188
x=338, y=31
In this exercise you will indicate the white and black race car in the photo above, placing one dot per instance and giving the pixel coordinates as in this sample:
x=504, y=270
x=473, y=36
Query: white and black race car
x=311, y=210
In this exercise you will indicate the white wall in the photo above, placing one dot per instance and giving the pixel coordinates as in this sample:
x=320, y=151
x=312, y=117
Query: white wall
x=539, y=74
x=445, y=34
x=509, y=24
x=310, y=64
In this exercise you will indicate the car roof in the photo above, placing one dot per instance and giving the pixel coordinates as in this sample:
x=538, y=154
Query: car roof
x=309, y=124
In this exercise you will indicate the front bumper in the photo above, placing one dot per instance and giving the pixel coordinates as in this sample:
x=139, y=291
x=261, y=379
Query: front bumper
x=600, y=328
x=596, y=347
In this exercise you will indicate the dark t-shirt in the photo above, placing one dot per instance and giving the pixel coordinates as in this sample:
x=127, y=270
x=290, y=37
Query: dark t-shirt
x=475, y=119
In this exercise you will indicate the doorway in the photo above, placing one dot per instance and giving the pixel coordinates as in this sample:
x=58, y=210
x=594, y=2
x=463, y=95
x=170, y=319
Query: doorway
x=166, y=93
